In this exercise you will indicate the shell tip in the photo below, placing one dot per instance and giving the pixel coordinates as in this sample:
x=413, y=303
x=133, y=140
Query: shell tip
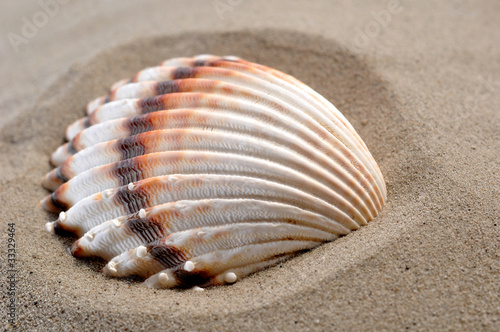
x=50, y=227
x=53, y=179
x=62, y=216
x=230, y=277
x=48, y=204
x=141, y=251
x=110, y=268
x=163, y=278
x=188, y=266
x=76, y=250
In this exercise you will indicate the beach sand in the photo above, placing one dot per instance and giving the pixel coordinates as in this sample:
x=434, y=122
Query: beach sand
x=422, y=92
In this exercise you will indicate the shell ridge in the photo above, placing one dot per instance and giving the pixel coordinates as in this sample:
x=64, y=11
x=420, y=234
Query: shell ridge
x=140, y=145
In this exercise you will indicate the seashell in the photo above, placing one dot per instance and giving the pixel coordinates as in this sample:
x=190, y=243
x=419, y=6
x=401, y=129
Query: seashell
x=203, y=170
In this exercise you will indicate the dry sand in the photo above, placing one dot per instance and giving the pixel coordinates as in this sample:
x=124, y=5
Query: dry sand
x=423, y=93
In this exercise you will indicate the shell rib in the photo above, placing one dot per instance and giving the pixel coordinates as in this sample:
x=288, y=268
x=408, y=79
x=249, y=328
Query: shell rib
x=128, y=107
x=190, y=162
x=203, y=170
x=236, y=119
x=223, y=247
x=115, y=236
x=275, y=111
x=308, y=106
x=257, y=71
x=98, y=208
x=176, y=140
x=177, y=277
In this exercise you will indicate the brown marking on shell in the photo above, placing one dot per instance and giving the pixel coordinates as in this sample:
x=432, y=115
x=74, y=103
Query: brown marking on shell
x=109, y=97
x=132, y=200
x=87, y=122
x=166, y=215
x=131, y=147
x=198, y=85
x=184, y=72
x=60, y=229
x=146, y=228
x=127, y=171
x=228, y=90
x=98, y=196
x=132, y=79
x=53, y=203
x=157, y=120
x=54, y=179
x=71, y=148
x=176, y=138
x=198, y=63
x=167, y=255
x=202, y=208
x=193, y=278
x=64, y=170
x=75, y=249
x=162, y=102
x=140, y=124
x=166, y=87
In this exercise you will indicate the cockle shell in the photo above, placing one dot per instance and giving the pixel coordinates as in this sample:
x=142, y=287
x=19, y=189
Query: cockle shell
x=203, y=170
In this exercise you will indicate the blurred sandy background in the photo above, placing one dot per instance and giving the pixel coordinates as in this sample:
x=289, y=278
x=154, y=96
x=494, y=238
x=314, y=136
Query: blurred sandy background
x=420, y=82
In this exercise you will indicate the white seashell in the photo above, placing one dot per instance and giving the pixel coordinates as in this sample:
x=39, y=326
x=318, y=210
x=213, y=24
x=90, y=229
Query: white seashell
x=206, y=169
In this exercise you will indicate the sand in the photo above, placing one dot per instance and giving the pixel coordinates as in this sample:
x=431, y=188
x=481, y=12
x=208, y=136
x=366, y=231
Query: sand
x=422, y=92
